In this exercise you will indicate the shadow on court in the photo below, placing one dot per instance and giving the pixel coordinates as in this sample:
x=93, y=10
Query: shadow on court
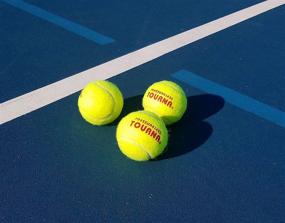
x=192, y=130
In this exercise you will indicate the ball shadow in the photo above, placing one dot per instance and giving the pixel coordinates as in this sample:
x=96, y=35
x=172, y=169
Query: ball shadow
x=192, y=130
x=185, y=138
x=201, y=107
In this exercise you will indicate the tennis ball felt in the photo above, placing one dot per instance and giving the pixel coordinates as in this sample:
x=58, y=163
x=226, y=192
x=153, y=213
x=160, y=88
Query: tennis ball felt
x=142, y=135
x=166, y=99
x=100, y=102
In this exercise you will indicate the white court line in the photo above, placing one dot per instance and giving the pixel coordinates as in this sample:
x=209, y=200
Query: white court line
x=36, y=99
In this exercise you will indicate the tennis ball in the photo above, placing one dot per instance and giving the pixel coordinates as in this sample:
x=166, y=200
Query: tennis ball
x=142, y=135
x=100, y=102
x=166, y=99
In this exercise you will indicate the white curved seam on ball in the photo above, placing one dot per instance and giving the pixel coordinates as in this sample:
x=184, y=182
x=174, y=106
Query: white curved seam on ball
x=86, y=113
x=140, y=146
x=114, y=101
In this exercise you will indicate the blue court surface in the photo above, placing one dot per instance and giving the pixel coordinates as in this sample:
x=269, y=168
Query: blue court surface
x=225, y=161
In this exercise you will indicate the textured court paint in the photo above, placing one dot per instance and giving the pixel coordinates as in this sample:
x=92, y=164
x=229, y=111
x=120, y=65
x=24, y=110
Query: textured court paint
x=62, y=22
x=36, y=99
x=233, y=97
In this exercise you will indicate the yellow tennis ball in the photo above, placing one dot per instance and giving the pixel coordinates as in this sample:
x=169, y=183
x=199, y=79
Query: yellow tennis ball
x=100, y=102
x=142, y=135
x=166, y=99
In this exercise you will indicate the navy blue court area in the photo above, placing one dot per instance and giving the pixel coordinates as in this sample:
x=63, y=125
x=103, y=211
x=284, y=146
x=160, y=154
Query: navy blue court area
x=225, y=161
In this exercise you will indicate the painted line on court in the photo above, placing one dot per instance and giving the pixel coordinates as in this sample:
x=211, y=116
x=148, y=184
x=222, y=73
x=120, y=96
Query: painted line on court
x=61, y=22
x=233, y=97
x=36, y=99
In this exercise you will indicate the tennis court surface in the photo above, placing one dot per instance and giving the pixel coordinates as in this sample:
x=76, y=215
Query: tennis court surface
x=225, y=161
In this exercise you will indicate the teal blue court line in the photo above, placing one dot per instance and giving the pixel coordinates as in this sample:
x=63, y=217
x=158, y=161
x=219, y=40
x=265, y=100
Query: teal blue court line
x=233, y=97
x=62, y=22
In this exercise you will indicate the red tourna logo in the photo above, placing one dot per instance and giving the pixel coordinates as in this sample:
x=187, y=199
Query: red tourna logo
x=147, y=128
x=160, y=97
